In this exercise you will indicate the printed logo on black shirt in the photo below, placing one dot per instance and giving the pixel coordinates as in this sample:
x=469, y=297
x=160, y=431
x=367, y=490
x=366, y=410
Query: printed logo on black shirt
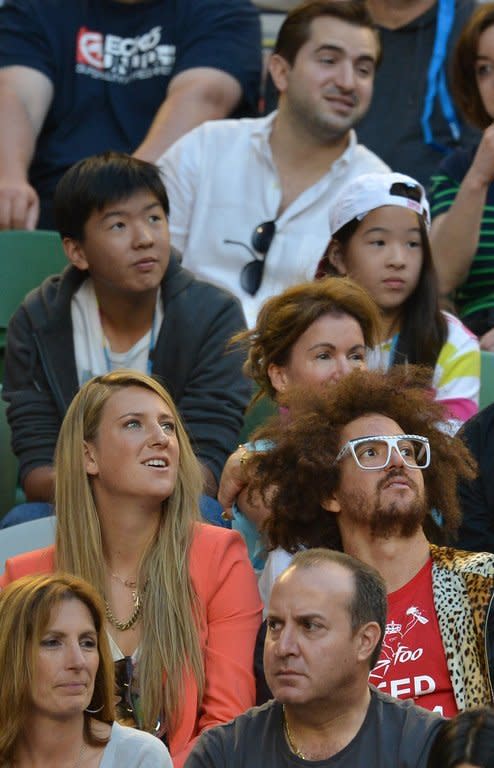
x=123, y=59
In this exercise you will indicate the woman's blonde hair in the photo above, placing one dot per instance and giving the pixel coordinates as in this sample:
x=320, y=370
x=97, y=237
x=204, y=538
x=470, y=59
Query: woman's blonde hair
x=170, y=613
x=285, y=317
x=25, y=607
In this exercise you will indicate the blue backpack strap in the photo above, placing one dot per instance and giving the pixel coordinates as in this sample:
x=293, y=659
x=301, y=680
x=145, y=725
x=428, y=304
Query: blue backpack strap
x=436, y=77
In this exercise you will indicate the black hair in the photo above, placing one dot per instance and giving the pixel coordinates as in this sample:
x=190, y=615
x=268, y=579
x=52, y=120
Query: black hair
x=95, y=182
x=467, y=738
x=296, y=29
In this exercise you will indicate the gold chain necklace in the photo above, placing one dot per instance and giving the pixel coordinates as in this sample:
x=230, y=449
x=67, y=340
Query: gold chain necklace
x=289, y=738
x=124, y=625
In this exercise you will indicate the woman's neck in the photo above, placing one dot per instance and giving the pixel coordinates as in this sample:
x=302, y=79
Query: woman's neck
x=390, y=324
x=51, y=743
x=127, y=530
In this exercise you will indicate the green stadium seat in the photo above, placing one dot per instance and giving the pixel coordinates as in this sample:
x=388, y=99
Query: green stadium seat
x=26, y=258
x=486, y=378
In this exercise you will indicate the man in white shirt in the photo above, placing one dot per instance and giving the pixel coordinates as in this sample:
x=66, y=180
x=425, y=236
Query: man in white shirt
x=251, y=197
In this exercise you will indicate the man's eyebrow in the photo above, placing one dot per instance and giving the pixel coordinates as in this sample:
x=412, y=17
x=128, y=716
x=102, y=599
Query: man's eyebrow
x=272, y=617
x=366, y=57
x=332, y=48
x=152, y=205
x=309, y=616
x=108, y=214
x=117, y=212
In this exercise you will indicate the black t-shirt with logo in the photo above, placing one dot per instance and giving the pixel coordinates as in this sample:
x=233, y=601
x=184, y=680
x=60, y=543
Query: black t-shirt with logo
x=110, y=64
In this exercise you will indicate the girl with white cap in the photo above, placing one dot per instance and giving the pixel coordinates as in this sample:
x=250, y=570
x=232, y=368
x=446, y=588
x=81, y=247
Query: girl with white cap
x=380, y=238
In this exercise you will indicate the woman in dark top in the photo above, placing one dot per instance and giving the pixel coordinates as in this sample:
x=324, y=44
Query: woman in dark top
x=462, y=191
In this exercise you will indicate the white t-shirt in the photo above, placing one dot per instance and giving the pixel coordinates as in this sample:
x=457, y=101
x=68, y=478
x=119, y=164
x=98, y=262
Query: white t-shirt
x=93, y=354
x=276, y=562
x=130, y=748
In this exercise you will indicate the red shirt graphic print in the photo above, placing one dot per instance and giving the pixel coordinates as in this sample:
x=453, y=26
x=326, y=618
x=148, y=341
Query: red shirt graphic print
x=412, y=664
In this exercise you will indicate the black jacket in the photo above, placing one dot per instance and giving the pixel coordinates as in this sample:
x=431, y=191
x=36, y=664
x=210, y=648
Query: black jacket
x=477, y=497
x=190, y=358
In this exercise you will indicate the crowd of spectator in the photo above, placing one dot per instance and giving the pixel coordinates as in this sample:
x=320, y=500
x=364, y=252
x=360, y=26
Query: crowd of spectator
x=280, y=243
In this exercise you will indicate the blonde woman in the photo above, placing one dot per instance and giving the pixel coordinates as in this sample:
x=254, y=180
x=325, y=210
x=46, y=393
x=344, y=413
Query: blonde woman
x=181, y=601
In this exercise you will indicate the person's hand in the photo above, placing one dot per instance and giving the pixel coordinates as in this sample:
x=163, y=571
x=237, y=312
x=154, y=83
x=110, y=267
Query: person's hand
x=482, y=167
x=252, y=506
x=19, y=205
x=487, y=341
x=233, y=480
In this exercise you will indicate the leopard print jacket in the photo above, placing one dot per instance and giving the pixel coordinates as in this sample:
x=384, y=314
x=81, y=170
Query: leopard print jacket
x=463, y=588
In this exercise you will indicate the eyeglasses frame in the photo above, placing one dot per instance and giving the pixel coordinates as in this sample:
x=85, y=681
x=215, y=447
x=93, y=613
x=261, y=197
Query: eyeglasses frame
x=392, y=442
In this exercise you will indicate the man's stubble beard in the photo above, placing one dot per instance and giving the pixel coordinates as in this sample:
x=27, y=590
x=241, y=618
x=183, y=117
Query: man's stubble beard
x=324, y=129
x=391, y=520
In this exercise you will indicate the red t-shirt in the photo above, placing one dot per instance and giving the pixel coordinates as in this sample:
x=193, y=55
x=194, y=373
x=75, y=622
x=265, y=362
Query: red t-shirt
x=412, y=664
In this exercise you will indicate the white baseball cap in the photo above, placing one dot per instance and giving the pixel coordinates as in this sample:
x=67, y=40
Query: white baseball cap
x=374, y=190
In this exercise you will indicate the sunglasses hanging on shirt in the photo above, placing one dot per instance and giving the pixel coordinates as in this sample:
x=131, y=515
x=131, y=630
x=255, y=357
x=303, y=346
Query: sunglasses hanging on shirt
x=252, y=273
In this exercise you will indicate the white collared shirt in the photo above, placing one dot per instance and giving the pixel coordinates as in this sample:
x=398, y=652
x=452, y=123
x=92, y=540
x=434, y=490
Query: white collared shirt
x=222, y=183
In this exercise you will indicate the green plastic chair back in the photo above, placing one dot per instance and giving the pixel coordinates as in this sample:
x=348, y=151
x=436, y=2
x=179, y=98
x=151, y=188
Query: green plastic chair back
x=26, y=258
x=486, y=378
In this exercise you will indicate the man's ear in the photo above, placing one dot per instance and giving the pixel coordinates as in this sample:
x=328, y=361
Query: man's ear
x=334, y=255
x=90, y=459
x=331, y=504
x=279, y=69
x=75, y=253
x=368, y=637
x=278, y=376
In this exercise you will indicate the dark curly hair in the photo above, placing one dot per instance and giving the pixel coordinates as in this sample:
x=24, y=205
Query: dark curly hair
x=299, y=471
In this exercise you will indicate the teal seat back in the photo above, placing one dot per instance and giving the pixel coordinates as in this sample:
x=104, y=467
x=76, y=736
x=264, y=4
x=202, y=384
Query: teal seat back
x=8, y=464
x=26, y=258
x=486, y=378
